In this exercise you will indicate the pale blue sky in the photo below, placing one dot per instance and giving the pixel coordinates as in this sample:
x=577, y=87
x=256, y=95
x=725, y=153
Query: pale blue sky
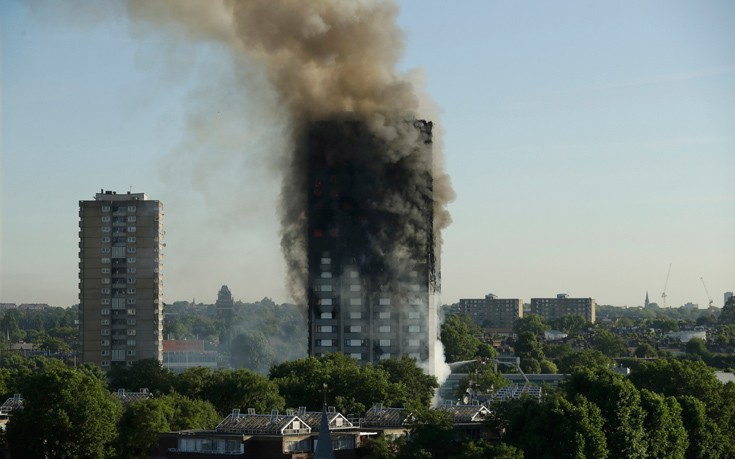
x=590, y=144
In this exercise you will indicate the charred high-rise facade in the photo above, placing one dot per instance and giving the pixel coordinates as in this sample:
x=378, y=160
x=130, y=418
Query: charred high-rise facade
x=372, y=273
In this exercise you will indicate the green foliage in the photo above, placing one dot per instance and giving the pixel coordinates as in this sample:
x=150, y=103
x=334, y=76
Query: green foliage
x=697, y=346
x=459, y=337
x=584, y=359
x=702, y=432
x=575, y=427
x=571, y=324
x=727, y=316
x=251, y=350
x=532, y=323
x=228, y=389
x=672, y=377
x=619, y=403
x=404, y=372
x=66, y=413
x=9, y=327
x=482, y=449
x=663, y=423
x=143, y=420
x=432, y=432
x=609, y=344
x=145, y=373
x=645, y=350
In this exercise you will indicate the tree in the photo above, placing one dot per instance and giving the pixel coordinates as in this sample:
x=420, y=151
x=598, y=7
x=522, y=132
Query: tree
x=482, y=449
x=418, y=384
x=619, y=403
x=142, y=421
x=432, y=432
x=242, y=389
x=705, y=436
x=459, y=337
x=533, y=323
x=697, y=346
x=9, y=327
x=144, y=373
x=353, y=388
x=584, y=359
x=571, y=324
x=672, y=377
x=66, y=413
x=645, y=350
x=252, y=350
x=576, y=427
x=609, y=344
x=727, y=316
x=666, y=434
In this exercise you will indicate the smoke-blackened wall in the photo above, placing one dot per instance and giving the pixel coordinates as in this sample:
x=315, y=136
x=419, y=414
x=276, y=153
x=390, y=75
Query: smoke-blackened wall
x=332, y=65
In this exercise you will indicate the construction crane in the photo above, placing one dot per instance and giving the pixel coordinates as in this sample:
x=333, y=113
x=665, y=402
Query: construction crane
x=666, y=284
x=709, y=297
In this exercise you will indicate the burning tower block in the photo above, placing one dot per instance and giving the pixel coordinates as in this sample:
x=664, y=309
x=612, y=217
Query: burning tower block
x=372, y=273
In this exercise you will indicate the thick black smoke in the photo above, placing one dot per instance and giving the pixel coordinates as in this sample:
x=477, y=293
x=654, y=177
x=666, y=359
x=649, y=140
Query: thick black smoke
x=332, y=65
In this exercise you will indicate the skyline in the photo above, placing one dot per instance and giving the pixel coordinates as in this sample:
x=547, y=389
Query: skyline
x=589, y=147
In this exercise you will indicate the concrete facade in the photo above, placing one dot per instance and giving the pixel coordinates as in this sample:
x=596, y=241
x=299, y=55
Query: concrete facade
x=495, y=314
x=562, y=305
x=120, y=279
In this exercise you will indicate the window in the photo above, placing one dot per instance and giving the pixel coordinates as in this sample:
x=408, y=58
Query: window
x=356, y=301
x=324, y=288
x=105, y=312
x=131, y=322
x=353, y=274
x=325, y=328
x=356, y=355
x=414, y=315
x=105, y=332
x=131, y=218
x=105, y=363
x=324, y=342
x=131, y=332
x=131, y=238
x=105, y=301
x=131, y=301
x=105, y=280
x=131, y=312
x=131, y=342
x=105, y=249
x=105, y=239
x=131, y=270
x=354, y=342
x=131, y=208
x=105, y=291
x=355, y=315
x=385, y=342
x=118, y=252
x=118, y=355
x=326, y=261
x=131, y=229
x=385, y=301
x=413, y=343
x=355, y=288
x=106, y=219
x=131, y=291
x=105, y=342
x=132, y=250
x=384, y=329
x=355, y=328
x=105, y=208
x=105, y=322
x=326, y=315
x=105, y=229
x=325, y=301
x=326, y=275
x=105, y=270
x=104, y=260
x=414, y=329
x=131, y=259
x=105, y=353
x=131, y=352
x=384, y=315
x=131, y=280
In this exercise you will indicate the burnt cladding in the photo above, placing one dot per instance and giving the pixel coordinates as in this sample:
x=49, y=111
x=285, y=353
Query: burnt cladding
x=370, y=224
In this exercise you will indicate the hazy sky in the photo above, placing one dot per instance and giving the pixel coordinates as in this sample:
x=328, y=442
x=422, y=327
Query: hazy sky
x=590, y=144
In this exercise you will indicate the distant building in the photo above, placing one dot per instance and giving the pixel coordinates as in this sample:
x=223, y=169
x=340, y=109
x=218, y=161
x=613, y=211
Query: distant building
x=225, y=303
x=178, y=355
x=34, y=306
x=498, y=315
x=6, y=306
x=691, y=306
x=647, y=302
x=728, y=295
x=562, y=305
x=120, y=305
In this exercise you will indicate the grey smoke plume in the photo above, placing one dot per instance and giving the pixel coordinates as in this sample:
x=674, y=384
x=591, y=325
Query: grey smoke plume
x=325, y=60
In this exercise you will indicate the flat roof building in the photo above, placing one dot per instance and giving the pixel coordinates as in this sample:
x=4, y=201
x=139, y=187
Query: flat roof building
x=120, y=279
x=562, y=305
x=498, y=315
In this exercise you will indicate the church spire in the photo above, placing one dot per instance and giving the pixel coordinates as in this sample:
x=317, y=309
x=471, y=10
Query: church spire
x=645, y=305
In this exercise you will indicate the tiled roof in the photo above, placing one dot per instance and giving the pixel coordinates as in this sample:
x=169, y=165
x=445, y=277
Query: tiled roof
x=274, y=424
x=336, y=420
